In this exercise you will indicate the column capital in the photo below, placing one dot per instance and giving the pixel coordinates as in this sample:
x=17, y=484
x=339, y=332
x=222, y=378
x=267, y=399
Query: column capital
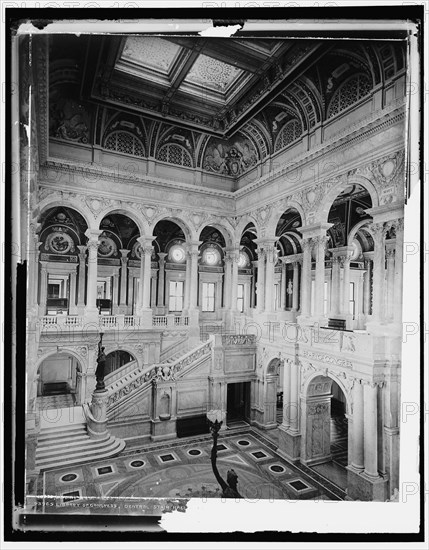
x=124, y=253
x=44, y=265
x=315, y=230
x=162, y=255
x=390, y=253
x=378, y=230
x=192, y=247
x=306, y=244
x=93, y=234
x=320, y=240
x=386, y=212
x=146, y=240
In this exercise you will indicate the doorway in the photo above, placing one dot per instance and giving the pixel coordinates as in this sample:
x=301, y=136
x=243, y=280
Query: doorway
x=238, y=402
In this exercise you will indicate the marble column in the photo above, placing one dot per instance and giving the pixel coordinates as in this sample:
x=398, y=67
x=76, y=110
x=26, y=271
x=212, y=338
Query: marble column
x=295, y=286
x=346, y=284
x=294, y=404
x=91, y=289
x=36, y=274
x=306, y=245
x=269, y=277
x=253, y=284
x=399, y=251
x=283, y=287
x=286, y=393
x=115, y=290
x=153, y=292
x=319, y=289
x=335, y=286
x=370, y=429
x=378, y=231
x=235, y=255
x=72, y=295
x=193, y=294
x=81, y=281
x=145, y=272
x=43, y=288
x=260, y=292
x=124, y=276
x=161, y=279
x=227, y=280
x=360, y=294
x=367, y=287
x=187, y=282
x=33, y=266
x=390, y=280
x=358, y=426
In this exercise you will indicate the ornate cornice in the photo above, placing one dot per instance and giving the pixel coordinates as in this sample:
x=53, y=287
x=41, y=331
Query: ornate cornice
x=358, y=132
x=90, y=171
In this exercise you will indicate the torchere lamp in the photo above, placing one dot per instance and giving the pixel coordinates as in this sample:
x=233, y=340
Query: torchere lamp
x=229, y=487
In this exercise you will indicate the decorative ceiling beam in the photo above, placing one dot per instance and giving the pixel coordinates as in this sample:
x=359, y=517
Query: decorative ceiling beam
x=181, y=68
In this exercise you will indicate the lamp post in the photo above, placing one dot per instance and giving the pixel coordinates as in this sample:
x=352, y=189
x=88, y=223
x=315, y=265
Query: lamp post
x=229, y=488
x=101, y=364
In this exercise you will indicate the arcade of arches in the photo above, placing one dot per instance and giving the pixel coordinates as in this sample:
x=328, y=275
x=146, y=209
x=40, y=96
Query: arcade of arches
x=249, y=265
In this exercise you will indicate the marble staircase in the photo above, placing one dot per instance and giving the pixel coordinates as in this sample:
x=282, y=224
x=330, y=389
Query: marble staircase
x=70, y=445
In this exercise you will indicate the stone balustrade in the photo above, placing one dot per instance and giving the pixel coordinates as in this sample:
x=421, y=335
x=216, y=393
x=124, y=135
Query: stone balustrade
x=170, y=321
x=104, y=321
x=139, y=377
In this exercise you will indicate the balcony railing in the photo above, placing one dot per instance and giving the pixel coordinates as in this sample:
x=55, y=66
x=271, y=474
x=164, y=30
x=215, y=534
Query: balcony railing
x=159, y=320
x=105, y=322
x=170, y=321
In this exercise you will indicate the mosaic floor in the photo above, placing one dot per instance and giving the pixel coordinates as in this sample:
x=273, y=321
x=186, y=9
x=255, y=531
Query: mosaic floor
x=179, y=470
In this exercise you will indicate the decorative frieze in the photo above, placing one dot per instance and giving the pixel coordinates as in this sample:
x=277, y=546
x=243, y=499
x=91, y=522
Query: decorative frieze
x=325, y=358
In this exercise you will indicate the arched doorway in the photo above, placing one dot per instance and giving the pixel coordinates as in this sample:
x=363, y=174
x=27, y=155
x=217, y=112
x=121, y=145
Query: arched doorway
x=117, y=359
x=59, y=383
x=324, y=425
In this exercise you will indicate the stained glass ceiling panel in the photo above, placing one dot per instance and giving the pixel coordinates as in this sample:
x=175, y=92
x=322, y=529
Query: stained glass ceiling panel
x=212, y=73
x=150, y=52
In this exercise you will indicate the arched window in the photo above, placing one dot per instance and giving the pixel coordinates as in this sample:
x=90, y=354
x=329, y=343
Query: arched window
x=175, y=154
x=348, y=93
x=124, y=142
x=289, y=133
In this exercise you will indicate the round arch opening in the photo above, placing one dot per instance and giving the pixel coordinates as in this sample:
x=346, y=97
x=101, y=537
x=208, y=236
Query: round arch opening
x=58, y=384
x=116, y=360
x=325, y=444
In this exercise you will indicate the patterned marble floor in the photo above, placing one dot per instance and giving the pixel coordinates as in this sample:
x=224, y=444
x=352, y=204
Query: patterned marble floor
x=176, y=471
x=61, y=401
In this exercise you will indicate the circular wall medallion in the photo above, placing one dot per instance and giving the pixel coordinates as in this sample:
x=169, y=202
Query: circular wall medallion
x=388, y=168
x=211, y=256
x=59, y=243
x=106, y=247
x=69, y=477
x=137, y=463
x=177, y=253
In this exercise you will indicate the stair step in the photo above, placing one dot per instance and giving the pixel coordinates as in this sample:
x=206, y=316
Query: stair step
x=52, y=436
x=71, y=448
x=86, y=455
x=61, y=440
x=63, y=428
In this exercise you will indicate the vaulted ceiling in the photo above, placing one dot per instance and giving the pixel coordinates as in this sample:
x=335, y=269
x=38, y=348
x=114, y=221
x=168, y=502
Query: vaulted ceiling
x=220, y=105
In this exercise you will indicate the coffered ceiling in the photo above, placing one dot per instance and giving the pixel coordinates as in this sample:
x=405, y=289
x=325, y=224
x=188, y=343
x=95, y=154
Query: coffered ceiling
x=214, y=85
